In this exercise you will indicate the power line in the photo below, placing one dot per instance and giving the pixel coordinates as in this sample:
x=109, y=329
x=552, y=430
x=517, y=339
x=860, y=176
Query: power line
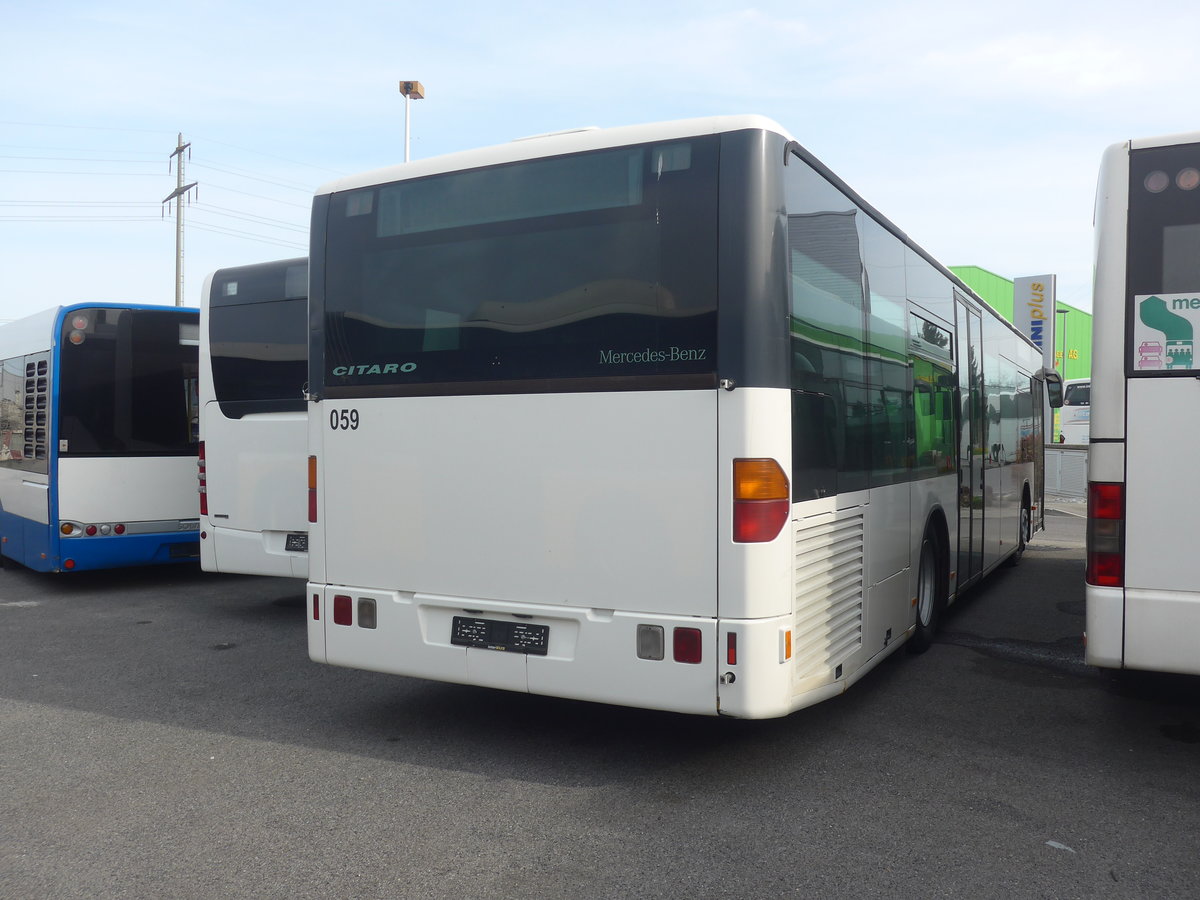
x=245, y=235
x=74, y=159
x=60, y=172
x=220, y=187
x=294, y=186
x=273, y=156
x=249, y=217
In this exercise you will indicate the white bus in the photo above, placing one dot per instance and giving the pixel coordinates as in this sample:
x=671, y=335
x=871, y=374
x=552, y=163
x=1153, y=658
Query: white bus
x=1076, y=413
x=98, y=431
x=1143, y=573
x=664, y=416
x=253, y=419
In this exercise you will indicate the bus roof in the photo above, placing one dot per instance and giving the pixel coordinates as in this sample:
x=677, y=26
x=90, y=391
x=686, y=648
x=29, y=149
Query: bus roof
x=555, y=144
x=1165, y=140
x=35, y=332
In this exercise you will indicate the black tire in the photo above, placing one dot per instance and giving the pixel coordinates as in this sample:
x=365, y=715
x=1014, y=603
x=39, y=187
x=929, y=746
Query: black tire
x=929, y=595
x=1024, y=532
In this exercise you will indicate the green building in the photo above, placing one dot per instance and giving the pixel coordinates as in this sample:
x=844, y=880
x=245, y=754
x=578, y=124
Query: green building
x=1072, y=332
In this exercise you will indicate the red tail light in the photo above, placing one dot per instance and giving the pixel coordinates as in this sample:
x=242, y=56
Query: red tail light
x=1106, y=534
x=688, y=645
x=203, y=475
x=312, y=489
x=761, y=500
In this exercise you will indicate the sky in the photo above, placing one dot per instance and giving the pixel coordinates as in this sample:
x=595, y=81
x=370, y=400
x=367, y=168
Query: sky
x=976, y=128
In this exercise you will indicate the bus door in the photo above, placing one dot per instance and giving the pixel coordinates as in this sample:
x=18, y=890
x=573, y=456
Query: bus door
x=971, y=436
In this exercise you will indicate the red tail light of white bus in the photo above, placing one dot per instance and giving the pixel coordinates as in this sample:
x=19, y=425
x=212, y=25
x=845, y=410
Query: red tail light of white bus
x=761, y=500
x=1105, y=534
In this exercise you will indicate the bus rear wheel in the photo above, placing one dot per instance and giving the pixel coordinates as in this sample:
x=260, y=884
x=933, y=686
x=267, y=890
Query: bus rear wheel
x=929, y=599
x=1024, y=533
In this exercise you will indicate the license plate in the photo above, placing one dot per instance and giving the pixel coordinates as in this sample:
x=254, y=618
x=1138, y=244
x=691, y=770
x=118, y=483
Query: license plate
x=296, y=542
x=509, y=637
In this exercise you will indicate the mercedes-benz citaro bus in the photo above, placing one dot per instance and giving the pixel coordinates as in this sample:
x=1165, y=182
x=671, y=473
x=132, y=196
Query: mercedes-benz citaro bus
x=664, y=416
x=99, y=419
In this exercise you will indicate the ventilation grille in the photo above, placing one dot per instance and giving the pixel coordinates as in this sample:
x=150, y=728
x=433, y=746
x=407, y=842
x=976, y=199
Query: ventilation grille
x=829, y=591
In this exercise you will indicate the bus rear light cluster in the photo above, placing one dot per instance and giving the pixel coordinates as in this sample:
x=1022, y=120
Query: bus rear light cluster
x=78, y=529
x=761, y=500
x=1185, y=179
x=203, y=476
x=687, y=644
x=343, y=611
x=1106, y=534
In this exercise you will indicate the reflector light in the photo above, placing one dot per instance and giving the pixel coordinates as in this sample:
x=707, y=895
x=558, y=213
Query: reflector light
x=343, y=610
x=68, y=563
x=312, y=489
x=731, y=649
x=761, y=500
x=688, y=645
x=316, y=607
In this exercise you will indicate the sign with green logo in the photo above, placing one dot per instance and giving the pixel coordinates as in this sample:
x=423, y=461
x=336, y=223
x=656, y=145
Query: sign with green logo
x=1163, y=332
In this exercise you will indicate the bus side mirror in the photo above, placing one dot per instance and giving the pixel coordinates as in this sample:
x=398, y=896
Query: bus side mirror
x=1054, y=388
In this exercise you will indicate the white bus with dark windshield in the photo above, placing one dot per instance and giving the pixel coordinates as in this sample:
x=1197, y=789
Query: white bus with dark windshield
x=664, y=416
x=1143, y=572
x=98, y=432
x=1076, y=414
x=253, y=419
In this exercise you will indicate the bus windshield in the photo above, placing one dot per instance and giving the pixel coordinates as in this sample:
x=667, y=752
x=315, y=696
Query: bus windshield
x=1078, y=394
x=576, y=269
x=258, y=338
x=128, y=383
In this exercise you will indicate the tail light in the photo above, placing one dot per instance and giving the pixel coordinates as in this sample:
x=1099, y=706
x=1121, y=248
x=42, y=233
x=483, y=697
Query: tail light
x=761, y=500
x=1106, y=534
x=203, y=476
x=688, y=645
x=312, y=489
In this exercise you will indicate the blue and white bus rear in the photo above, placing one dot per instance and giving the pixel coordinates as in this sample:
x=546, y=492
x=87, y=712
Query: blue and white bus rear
x=99, y=418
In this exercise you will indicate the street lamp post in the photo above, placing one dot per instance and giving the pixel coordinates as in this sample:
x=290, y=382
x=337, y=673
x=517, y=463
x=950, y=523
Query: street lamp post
x=412, y=90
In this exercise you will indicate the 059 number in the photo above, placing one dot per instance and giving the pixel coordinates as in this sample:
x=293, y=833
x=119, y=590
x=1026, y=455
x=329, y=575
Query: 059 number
x=343, y=419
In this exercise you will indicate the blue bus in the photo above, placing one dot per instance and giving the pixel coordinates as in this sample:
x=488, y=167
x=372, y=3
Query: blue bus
x=99, y=422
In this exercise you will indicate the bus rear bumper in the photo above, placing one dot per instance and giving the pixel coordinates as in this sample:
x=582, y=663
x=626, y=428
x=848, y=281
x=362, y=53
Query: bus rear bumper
x=252, y=552
x=1104, y=627
x=1162, y=630
x=589, y=654
x=1143, y=629
x=118, y=551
